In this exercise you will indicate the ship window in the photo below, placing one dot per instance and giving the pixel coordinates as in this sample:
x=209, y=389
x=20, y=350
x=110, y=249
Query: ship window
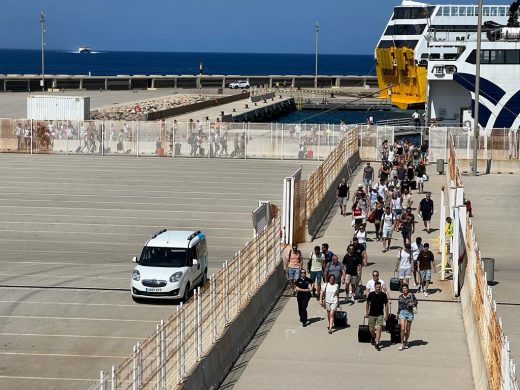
x=462, y=11
x=472, y=58
x=439, y=11
x=512, y=56
x=476, y=11
x=405, y=29
x=502, y=11
x=397, y=43
x=484, y=56
x=454, y=11
x=496, y=57
x=486, y=11
x=446, y=11
x=494, y=11
x=470, y=11
x=412, y=12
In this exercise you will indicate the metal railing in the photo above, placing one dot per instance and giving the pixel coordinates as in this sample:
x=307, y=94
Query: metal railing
x=208, y=139
x=489, y=349
x=322, y=178
x=167, y=356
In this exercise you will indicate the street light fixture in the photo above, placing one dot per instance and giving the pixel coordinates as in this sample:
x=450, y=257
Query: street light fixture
x=316, y=56
x=42, y=24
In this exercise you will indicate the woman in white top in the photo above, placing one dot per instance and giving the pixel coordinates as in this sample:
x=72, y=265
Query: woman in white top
x=329, y=299
x=361, y=235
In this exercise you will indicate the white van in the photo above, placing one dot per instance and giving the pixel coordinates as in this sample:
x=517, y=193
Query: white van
x=171, y=265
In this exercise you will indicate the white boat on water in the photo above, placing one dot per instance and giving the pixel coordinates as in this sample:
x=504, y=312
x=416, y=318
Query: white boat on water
x=451, y=76
x=85, y=50
x=402, y=52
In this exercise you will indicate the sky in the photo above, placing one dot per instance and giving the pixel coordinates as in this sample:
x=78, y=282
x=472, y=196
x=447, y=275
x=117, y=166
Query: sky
x=242, y=26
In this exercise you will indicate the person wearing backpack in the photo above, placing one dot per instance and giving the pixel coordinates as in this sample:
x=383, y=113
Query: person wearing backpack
x=293, y=264
x=316, y=264
x=407, y=308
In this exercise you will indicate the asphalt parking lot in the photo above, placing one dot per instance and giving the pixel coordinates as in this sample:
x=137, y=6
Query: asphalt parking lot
x=68, y=229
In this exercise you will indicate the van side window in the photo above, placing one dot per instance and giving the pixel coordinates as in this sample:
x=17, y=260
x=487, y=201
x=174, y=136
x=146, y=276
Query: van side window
x=192, y=254
x=201, y=249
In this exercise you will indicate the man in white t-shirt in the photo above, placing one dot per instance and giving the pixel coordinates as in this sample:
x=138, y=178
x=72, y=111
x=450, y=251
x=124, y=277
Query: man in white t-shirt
x=387, y=227
x=417, y=247
x=404, y=264
x=371, y=284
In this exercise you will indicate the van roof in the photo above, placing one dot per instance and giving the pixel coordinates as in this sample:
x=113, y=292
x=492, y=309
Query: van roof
x=175, y=239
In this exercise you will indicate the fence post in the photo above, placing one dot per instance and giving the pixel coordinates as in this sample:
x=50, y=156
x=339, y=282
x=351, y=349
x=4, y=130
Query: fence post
x=102, y=138
x=102, y=380
x=199, y=324
x=239, y=271
x=113, y=379
x=180, y=344
x=257, y=262
x=135, y=385
x=246, y=139
x=32, y=131
x=137, y=139
x=283, y=143
x=158, y=355
x=226, y=292
x=212, y=293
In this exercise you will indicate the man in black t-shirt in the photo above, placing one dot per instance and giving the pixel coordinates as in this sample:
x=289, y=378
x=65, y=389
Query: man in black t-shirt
x=342, y=195
x=351, y=262
x=376, y=310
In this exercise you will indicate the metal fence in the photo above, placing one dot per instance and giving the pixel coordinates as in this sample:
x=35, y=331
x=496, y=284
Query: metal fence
x=322, y=178
x=489, y=349
x=168, y=355
x=208, y=139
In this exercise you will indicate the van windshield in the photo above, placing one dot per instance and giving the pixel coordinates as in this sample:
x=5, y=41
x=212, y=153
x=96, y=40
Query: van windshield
x=163, y=257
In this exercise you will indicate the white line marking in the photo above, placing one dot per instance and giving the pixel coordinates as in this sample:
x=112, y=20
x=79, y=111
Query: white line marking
x=80, y=319
x=72, y=303
x=62, y=355
x=47, y=378
x=70, y=336
x=65, y=276
x=127, y=210
x=63, y=263
x=116, y=225
x=101, y=243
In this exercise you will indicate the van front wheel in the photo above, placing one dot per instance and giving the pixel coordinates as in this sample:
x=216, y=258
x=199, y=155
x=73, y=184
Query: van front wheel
x=186, y=295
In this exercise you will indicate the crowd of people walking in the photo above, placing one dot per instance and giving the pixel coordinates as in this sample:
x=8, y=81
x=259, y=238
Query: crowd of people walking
x=381, y=207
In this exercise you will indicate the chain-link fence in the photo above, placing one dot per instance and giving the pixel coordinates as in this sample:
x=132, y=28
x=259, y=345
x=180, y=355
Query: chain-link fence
x=168, y=355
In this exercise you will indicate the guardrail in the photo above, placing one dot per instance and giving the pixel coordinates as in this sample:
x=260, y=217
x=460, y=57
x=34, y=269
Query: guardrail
x=489, y=350
x=166, y=358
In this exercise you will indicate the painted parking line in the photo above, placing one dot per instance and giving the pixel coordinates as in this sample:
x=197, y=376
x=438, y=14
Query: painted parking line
x=63, y=276
x=63, y=355
x=63, y=263
x=80, y=336
x=79, y=319
x=48, y=378
x=61, y=242
x=71, y=304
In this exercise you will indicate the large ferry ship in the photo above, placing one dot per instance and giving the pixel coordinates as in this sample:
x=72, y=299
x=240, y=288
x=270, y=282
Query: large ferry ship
x=402, y=52
x=451, y=76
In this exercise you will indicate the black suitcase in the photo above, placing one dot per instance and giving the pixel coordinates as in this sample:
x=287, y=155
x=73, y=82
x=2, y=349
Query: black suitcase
x=340, y=318
x=359, y=292
x=391, y=323
x=413, y=184
x=394, y=284
x=363, y=333
x=395, y=335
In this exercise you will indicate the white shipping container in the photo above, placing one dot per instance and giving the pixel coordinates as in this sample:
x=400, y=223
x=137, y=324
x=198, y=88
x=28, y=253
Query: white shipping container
x=64, y=108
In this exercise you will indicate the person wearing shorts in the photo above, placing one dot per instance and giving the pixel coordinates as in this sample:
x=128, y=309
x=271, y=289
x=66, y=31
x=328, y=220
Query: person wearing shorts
x=368, y=177
x=426, y=211
x=404, y=264
x=342, y=195
x=387, y=227
x=376, y=311
x=316, y=263
x=293, y=264
x=426, y=262
x=407, y=303
x=351, y=262
x=329, y=299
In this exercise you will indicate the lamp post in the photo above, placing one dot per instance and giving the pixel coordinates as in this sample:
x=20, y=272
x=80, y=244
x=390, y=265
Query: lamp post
x=476, y=132
x=316, y=56
x=42, y=24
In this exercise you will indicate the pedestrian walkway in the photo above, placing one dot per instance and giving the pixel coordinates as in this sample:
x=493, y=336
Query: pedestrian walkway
x=294, y=357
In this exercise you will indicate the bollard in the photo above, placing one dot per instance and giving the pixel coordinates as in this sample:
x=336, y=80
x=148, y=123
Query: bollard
x=440, y=166
x=489, y=268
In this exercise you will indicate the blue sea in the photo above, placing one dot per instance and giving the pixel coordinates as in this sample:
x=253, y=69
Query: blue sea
x=120, y=62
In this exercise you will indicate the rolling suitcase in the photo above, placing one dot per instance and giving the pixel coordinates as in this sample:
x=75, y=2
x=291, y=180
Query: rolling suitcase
x=340, y=318
x=363, y=333
x=394, y=284
x=359, y=292
x=391, y=323
x=413, y=185
x=395, y=335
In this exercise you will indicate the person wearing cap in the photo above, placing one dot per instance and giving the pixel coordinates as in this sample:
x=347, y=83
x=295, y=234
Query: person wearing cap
x=360, y=194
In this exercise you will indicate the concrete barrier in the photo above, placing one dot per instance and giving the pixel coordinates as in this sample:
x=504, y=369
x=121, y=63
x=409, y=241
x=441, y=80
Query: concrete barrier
x=320, y=214
x=214, y=367
x=153, y=116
